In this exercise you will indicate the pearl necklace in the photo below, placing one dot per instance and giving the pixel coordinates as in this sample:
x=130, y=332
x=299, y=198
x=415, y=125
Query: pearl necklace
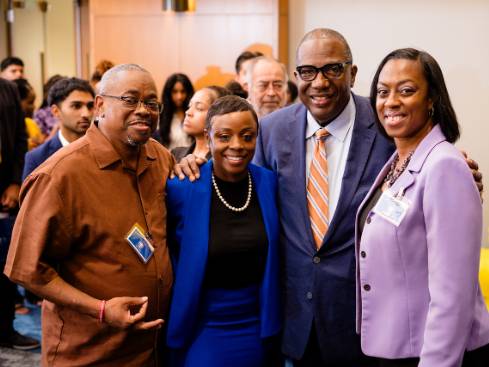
x=226, y=204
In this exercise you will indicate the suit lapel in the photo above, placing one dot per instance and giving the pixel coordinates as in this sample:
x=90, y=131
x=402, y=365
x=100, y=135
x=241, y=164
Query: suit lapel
x=297, y=146
x=195, y=239
x=54, y=145
x=362, y=140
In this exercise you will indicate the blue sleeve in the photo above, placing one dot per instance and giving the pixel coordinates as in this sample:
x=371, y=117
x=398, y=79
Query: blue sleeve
x=175, y=204
x=29, y=165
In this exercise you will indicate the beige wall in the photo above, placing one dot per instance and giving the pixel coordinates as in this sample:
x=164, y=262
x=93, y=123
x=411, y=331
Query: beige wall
x=46, y=36
x=3, y=30
x=455, y=32
x=202, y=44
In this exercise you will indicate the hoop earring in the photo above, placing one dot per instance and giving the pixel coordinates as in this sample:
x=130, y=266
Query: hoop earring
x=431, y=112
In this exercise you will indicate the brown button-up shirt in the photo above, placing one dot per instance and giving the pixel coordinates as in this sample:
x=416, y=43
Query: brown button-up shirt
x=76, y=211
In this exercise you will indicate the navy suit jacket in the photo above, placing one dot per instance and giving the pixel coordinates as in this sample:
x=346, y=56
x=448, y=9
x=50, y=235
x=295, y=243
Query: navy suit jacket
x=188, y=236
x=38, y=155
x=320, y=285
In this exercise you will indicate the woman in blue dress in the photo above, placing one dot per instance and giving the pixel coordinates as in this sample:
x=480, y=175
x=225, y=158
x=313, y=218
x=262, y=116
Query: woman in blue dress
x=223, y=230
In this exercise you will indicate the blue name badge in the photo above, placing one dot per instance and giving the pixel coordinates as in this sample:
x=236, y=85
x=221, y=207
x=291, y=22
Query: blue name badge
x=391, y=208
x=140, y=243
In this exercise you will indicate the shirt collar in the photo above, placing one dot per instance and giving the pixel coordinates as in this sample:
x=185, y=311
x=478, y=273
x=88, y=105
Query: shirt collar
x=105, y=154
x=62, y=139
x=339, y=127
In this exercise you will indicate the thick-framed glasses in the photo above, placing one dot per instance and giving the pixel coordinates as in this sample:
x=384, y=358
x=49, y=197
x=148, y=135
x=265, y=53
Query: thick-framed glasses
x=133, y=103
x=330, y=71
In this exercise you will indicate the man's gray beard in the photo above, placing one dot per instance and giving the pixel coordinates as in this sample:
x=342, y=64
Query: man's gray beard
x=133, y=143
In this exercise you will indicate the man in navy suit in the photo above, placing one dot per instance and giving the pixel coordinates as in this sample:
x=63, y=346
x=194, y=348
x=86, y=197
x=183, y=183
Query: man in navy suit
x=71, y=101
x=319, y=284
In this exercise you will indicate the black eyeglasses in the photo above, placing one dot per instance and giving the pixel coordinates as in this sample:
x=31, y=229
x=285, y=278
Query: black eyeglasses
x=330, y=71
x=133, y=103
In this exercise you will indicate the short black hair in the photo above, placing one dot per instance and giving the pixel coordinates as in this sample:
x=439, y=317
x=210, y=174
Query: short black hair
x=228, y=104
x=443, y=112
x=63, y=88
x=47, y=87
x=245, y=56
x=236, y=89
x=294, y=92
x=11, y=60
x=23, y=87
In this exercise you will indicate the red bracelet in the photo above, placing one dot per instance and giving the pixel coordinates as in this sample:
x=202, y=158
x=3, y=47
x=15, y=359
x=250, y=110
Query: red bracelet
x=101, y=312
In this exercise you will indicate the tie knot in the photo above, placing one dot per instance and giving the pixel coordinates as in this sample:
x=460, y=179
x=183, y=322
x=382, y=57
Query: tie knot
x=321, y=134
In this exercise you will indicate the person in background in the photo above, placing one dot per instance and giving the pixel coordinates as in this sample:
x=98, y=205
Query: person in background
x=292, y=93
x=225, y=307
x=194, y=122
x=419, y=229
x=11, y=68
x=236, y=89
x=100, y=69
x=241, y=66
x=71, y=101
x=43, y=116
x=175, y=97
x=266, y=79
x=35, y=137
x=13, y=145
x=90, y=236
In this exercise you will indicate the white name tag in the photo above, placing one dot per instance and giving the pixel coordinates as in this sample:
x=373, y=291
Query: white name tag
x=391, y=208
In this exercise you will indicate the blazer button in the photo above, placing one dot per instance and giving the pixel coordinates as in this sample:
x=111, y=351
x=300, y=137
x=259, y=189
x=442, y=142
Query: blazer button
x=309, y=295
x=363, y=254
x=366, y=287
x=369, y=219
x=316, y=259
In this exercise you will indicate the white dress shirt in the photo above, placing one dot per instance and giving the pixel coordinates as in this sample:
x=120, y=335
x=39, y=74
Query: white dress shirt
x=337, y=148
x=62, y=139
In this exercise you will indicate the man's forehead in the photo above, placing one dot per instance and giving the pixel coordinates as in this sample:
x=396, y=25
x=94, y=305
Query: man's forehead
x=321, y=48
x=268, y=70
x=132, y=81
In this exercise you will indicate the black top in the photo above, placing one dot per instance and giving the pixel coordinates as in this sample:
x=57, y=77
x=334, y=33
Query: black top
x=181, y=152
x=238, y=241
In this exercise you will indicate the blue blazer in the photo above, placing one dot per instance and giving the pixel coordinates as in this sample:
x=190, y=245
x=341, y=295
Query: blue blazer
x=320, y=285
x=188, y=236
x=38, y=155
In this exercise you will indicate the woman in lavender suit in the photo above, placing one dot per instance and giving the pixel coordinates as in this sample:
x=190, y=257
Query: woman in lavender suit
x=419, y=229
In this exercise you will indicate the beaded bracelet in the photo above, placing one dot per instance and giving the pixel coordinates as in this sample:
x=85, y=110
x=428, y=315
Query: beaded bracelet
x=101, y=312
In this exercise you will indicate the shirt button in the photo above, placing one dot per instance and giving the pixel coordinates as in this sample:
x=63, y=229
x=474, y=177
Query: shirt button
x=316, y=260
x=369, y=219
x=366, y=287
x=363, y=254
x=309, y=295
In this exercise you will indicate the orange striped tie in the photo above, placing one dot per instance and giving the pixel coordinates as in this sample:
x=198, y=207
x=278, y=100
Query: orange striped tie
x=318, y=189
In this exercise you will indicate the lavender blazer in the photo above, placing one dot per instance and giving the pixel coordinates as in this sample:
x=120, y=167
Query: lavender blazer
x=417, y=284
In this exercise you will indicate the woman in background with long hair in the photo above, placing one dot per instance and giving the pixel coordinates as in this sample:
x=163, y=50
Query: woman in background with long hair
x=175, y=97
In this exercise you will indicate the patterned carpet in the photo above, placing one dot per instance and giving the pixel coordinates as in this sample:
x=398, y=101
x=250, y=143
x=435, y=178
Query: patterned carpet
x=30, y=325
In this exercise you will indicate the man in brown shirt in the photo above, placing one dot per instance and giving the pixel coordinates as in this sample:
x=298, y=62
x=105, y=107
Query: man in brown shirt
x=90, y=237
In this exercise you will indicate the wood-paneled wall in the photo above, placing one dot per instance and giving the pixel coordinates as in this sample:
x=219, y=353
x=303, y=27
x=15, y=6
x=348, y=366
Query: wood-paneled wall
x=203, y=44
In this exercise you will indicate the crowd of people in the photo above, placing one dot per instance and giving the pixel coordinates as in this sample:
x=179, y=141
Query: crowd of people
x=233, y=226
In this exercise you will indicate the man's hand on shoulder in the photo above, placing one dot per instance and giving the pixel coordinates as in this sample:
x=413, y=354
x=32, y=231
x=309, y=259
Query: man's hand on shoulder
x=474, y=167
x=188, y=167
x=129, y=312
